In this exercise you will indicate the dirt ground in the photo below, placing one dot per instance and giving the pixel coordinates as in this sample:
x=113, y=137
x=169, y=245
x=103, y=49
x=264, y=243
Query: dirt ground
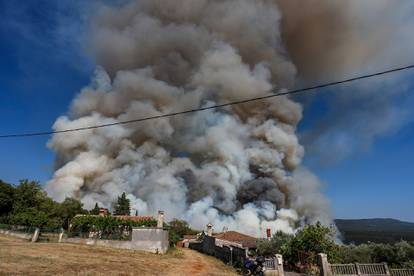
x=19, y=257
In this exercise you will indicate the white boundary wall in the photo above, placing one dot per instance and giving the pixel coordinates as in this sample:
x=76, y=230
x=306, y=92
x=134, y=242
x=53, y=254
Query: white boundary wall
x=153, y=240
x=17, y=234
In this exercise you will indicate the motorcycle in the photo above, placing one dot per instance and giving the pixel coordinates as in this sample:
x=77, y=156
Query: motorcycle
x=254, y=267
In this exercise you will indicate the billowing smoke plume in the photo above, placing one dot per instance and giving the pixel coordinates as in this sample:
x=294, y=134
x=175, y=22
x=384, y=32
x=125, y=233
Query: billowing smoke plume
x=237, y=167
x=333, y=39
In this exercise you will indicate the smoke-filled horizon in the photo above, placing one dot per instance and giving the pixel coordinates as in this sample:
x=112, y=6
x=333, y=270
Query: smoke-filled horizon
x=330, y=40
x=237, y=167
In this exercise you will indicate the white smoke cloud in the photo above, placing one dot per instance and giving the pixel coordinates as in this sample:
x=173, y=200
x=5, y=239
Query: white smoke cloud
x=237, y=167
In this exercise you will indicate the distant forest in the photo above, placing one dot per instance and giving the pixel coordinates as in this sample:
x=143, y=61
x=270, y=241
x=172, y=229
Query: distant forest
x=375, y=230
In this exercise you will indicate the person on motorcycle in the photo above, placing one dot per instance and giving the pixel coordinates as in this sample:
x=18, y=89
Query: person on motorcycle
x=253, y=266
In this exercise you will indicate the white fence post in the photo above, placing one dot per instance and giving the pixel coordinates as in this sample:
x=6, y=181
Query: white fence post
x=61, y=235
x=36, y=235
x=325, y=269
x=279, y=265
x=387, y=270
x=358, y=269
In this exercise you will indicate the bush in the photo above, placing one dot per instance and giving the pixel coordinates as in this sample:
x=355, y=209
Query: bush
x=399, y=255
x=177, y=230
x=107, y=227
x=356, y=254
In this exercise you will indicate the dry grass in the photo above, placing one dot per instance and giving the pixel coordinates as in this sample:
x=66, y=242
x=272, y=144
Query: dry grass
x=19, y=257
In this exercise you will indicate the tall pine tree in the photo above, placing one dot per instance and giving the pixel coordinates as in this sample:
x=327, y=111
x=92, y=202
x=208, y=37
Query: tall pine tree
x=95, y=210
x=122, y=207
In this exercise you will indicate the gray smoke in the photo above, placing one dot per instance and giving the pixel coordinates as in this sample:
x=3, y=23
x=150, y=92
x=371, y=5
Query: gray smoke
x=237, y=167
x=328, y=39
x=332, y=40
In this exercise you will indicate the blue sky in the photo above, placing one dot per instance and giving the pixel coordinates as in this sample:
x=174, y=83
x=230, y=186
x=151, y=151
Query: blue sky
x=42, y=67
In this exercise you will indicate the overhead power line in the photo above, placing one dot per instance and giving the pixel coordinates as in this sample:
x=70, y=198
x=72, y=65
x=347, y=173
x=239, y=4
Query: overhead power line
x=289, y=92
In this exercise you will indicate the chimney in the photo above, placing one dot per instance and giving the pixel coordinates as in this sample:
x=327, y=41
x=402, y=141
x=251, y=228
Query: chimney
x=103, y=212
x=210, y=229
x=269, y=233
x=160, y=221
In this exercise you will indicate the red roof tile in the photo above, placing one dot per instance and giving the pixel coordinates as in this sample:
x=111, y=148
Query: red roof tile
x=233, y=236
x=134, y=218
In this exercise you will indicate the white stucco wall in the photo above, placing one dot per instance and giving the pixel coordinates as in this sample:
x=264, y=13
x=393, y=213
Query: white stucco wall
x=152, y=240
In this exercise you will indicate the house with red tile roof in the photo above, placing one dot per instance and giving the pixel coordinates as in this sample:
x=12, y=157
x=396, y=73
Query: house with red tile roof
x=134, y=218
x=235, y=239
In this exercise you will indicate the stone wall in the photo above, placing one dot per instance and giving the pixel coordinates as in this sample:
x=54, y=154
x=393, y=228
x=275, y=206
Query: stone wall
x=152, y=240
x=26, y=236
x=234, y=255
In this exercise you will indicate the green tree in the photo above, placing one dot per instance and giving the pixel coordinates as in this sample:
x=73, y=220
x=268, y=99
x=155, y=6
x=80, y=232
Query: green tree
x=122, y=208
x=68, y=209
x=308, y=242
x=311, y=240
x=28, y=194
x=6, y=201
x=32, y=207
x=95, y=210
x=276, y=245
x=177, y=230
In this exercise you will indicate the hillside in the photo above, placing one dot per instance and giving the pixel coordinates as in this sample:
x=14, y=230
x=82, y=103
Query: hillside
x=375, y=230
x=19, y=257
